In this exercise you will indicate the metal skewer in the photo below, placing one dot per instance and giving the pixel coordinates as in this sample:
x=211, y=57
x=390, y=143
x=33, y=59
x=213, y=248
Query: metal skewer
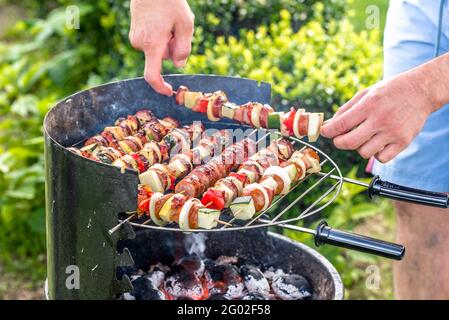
x=122, y=222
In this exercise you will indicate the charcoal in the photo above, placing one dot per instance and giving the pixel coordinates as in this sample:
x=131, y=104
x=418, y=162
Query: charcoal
x=156, y=278
x=144, y=290
x=255, y=281
x=184, y=284
x=127, y=296
x=232, y=278
x=129, y=271
x=254, y=296
x=192, y=263
x=270, y=272
x=209, y=263
x=159, y=267
x=231, y=274
x=291, y=287
x=225, y=278
x=221, y=260
x=217, y=296
x=216, y=272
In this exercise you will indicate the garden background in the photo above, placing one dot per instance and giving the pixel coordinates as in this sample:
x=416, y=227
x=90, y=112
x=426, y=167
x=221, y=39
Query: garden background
x=317, y=54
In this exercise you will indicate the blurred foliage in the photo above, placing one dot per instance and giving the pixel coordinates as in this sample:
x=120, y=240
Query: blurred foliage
x=308, y=50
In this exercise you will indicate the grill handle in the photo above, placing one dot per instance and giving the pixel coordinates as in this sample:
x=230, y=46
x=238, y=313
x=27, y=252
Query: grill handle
x=327, y=235
x=386, y=189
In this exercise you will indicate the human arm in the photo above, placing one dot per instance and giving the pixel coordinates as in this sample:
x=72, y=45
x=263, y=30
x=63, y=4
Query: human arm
x=383, y=120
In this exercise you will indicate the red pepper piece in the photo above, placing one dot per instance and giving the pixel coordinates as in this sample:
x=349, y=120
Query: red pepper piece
x=242, y=177
x=289, y=120
x=214, y=199
x=144, y=206
x=140, y=165
x=201, y=106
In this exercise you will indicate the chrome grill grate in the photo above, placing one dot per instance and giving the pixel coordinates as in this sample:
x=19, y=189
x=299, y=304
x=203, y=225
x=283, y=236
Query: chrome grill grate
x=329, y=181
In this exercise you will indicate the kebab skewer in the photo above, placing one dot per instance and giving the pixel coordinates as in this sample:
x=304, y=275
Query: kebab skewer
x=227, y=189
x=164, y=209
x=132, y=153
x=205, y=176
x=295, y=122
x=160, y=177
x=154, y=153
x=257, y=197
x=127, y=136
x=190, y=213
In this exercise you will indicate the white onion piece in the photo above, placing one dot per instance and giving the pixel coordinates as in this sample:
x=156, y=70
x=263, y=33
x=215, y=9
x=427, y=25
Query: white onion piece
x=281, y=173
x=255, y=114
x=210, y=114
x=151, y=179
x=156, y=196
x=237, y=183
x=315, y=123
x=184, y=223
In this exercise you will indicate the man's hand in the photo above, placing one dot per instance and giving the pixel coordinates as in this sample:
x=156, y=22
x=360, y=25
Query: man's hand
x=163, y=30
x=383, y=120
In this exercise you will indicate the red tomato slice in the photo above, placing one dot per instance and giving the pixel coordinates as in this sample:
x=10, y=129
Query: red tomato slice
x=214, y=199
x=289, y=119
x=144, y=206
x=140, y=164
x=172, y=182
x=201, y=106
x=242, y=177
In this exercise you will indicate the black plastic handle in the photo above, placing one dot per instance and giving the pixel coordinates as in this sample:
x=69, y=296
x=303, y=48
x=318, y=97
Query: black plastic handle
x=386, y=189
x=325, y=234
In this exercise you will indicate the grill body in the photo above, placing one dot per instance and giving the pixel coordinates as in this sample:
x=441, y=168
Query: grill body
x=83, y=198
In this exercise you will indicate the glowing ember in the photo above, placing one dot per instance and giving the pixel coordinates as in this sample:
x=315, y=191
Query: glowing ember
x=226, y=278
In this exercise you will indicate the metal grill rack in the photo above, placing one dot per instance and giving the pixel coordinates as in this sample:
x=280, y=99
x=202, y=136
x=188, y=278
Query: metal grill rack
x=270, y=217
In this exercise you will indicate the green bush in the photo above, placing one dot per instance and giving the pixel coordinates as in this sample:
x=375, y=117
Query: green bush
x=320, y=65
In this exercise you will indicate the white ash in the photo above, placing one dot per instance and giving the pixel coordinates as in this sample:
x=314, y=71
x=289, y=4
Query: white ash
x=222, y=260
x=178, y=289
x=128, y=296
x=271, y=272
x=159, y=267
x=291, y=287
x=260, y=285
x=134, y=277
x=254, y=279
x=235, y=291
x=156, y=278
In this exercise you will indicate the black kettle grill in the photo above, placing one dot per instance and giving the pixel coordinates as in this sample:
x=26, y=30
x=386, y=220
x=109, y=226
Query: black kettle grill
x=85, y=199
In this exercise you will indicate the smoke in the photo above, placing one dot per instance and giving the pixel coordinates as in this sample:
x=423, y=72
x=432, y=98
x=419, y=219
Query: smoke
x=195, y=243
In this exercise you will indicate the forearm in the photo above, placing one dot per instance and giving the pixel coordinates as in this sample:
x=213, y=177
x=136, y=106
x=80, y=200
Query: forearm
x=432, y=79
